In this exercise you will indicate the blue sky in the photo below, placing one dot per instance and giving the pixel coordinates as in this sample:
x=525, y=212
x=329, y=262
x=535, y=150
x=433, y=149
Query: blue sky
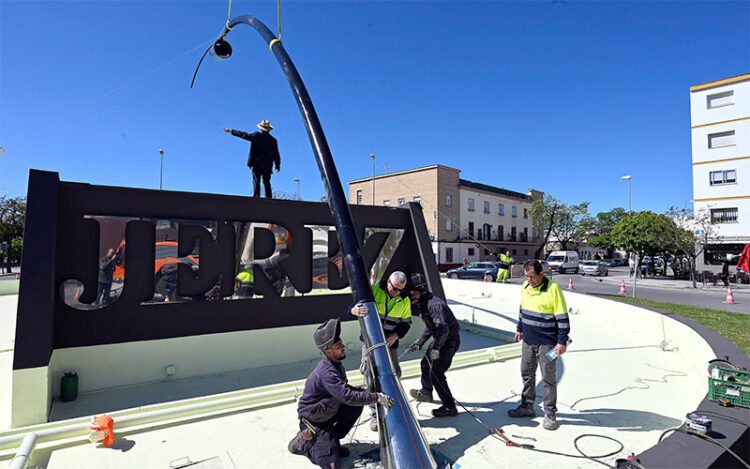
x=564, y=97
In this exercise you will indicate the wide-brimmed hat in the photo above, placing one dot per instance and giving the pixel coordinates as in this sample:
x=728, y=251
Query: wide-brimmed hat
x=327, y=334
x=265, y=125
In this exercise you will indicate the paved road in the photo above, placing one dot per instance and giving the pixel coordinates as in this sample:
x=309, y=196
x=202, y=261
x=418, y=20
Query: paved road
x=676, y=292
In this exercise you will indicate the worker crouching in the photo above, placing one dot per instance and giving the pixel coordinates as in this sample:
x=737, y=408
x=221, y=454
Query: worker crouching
x=329, y=407
x=441, y=325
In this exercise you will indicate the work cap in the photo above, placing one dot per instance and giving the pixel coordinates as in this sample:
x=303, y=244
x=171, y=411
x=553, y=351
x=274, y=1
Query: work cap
x=417, y=282
x=327, y=334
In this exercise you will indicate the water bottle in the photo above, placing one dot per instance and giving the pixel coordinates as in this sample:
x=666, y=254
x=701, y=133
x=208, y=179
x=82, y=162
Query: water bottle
x=552, y=354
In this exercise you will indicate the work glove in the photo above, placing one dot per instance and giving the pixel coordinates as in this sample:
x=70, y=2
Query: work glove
x=385, y=400
x=414, y=347
x=434, y=354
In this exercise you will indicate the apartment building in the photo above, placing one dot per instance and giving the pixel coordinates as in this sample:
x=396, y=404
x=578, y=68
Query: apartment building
x=465, y=219
x=720, y=127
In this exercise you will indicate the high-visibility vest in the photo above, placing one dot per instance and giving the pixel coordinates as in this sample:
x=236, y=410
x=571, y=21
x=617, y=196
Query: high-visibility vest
x=392, y=311
x=543, y=315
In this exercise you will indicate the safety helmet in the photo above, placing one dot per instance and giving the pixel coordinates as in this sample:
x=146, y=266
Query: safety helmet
x=327, y=334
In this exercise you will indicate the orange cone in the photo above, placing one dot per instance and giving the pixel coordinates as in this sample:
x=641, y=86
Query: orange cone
x=730, y=297
x=622, y=288
x=570, y=284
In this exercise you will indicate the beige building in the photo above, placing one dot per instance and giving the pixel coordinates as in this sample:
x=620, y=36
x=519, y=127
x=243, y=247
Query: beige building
x=465, y=219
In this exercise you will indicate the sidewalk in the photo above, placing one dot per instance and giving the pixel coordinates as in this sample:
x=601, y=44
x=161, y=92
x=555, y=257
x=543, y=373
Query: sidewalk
x=673, y=284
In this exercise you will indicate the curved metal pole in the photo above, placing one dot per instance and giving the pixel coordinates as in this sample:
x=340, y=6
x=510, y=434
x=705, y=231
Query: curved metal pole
x=402, y=443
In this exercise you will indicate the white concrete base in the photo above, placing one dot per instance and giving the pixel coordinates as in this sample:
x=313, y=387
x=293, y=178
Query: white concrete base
x=30, y=399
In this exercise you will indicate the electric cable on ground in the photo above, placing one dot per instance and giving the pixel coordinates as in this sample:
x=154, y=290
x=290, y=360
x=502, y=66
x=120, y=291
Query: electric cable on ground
x=509, y=442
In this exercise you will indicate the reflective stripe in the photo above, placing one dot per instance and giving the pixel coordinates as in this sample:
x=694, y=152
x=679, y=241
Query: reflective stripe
x=536, y=314
x=563, y=325
x=561, y=316
x=545, y=325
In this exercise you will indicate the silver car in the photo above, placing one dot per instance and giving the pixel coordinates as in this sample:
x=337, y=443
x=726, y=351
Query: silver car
x=594, y=268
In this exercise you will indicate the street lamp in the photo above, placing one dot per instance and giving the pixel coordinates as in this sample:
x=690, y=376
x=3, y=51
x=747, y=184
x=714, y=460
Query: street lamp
x=637, y=269
x=161, y=169
x=297, y=180
x=628, y=178
x=372, y=155
x=402, y=442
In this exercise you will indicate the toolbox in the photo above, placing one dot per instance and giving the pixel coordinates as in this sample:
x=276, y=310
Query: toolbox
x=731, y=385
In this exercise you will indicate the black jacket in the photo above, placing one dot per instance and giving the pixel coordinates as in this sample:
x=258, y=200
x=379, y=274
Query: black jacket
x=439, y=321
x=264, y=151
x=326, y=389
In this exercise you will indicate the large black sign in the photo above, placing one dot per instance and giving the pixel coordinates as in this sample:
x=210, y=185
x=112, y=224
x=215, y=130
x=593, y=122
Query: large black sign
x=106, y=265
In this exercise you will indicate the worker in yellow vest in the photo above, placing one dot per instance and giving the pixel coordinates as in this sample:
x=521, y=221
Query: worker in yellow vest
x=243, y=283
x=394, y=307
x=544, y=327
x=503, y=272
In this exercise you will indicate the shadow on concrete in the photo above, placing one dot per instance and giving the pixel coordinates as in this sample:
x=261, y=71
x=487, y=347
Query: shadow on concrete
x=625, y=420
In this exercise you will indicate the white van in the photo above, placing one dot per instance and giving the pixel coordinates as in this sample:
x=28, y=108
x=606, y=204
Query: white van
x=563, y=261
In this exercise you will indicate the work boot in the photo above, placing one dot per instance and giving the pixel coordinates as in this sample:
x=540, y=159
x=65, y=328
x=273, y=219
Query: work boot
x=550, y=422
x=420, y=396
x=295, y=446
x=522, y=411
x=344, y=452
x=374, y=424
x=443, y=411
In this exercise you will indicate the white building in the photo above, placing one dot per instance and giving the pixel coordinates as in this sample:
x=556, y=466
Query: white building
x=720, y=123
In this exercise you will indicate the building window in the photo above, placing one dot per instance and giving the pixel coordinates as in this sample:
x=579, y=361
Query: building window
x=500, y=209
x=471, y=229
x=486, y=252
x=513, y=233
x=448, y=225
x=526, y=213
x=471, y=251
x=401, y=201
x=724, y=215
x=471, y=205
x=721, y=139
x=417, y=199
x=359, y=197
x=514, y=252
x=486, y=207
x=487, y=231
x=514, y=211
x=479, y=234
x=720, y=99
x=386, y=203
x=448, y=201
x=449, y=255
x=717, y=178
x=525, y=235
x=499, y=232
x=525, y=252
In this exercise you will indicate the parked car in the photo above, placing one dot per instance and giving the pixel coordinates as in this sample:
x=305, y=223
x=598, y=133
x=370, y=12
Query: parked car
x=610, y=262
x=594, y=268
x=476, y=270
x=563, y=261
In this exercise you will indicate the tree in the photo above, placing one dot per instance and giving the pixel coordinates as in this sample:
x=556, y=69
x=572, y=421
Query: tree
x=568, y=225
x=693, y=234
x=544, y=214
x=645, y=233
x=12, y=219
x=559, y=220
x=598, y=229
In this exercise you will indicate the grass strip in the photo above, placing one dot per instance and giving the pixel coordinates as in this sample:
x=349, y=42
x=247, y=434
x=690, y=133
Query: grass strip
x=735, y=327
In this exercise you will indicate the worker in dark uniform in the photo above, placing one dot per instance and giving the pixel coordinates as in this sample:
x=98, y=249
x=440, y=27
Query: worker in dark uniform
x=329, y=407
x=441, y=325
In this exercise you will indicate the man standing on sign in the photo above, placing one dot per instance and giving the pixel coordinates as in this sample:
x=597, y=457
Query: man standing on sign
x=264, y=155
